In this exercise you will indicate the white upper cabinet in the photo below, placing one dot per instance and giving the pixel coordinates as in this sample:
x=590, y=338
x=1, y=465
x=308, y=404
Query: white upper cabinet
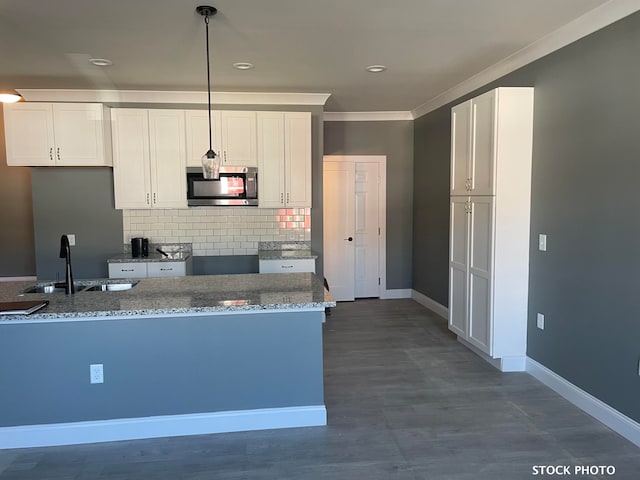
x=284, y=159
x=472, y=146
x=149, y=158
x=233, y=137
x=57, y=134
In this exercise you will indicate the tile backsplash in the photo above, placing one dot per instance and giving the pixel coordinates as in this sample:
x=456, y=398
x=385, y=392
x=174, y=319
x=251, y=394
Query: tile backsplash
x=218, y=230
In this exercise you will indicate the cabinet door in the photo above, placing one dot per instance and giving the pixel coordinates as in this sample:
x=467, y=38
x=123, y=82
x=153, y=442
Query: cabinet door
x=458, y=265
x=29, y=134
x=197, y=135
x=166, y=269
x=131, y=176
x=288, y=266
x=270, y=127
x=480, y=272
x=483, y=152
x=168, y=158
x=297, y=159
x=79, y=134
x=128, y=270
x=460, y=148
x=238, y=130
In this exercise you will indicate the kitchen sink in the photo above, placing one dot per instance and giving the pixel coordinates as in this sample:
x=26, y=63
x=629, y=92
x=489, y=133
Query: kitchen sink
x=111, y=287
x=50, y=288
x=88, y=286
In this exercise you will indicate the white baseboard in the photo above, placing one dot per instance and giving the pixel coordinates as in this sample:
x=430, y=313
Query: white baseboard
x=504, y=364
x=430, y=304
x=161, y=426
x=395, y=293
x=612, y=418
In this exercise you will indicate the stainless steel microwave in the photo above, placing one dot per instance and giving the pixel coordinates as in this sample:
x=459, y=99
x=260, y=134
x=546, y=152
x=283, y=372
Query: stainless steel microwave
x=236, y=186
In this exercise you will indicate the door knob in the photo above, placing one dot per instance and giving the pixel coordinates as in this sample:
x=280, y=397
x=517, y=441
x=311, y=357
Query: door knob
x=350, y=239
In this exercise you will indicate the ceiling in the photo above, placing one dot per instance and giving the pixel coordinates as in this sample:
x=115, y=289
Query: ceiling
x=311, y=46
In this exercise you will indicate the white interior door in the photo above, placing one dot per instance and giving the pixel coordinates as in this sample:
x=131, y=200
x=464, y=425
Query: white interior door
x=338, y=219
x=367, y=231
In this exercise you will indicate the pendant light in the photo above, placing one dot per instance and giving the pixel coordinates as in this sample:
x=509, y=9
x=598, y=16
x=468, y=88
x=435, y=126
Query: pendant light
x=210, y=161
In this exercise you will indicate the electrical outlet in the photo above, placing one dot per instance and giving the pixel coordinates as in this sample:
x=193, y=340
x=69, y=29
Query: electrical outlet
x=96, y=374
x=72, y=239
x=542, y=242
x=540, y=321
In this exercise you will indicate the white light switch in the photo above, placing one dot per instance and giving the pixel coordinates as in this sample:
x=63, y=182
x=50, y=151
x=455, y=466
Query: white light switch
x=542, y=242
x=540, y=321
x=72, y=239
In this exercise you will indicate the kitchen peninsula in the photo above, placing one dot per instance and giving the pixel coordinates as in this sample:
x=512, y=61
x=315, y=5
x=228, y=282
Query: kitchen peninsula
x=180, y=356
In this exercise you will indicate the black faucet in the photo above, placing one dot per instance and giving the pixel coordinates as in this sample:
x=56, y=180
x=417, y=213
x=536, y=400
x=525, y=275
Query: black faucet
x=65, y=252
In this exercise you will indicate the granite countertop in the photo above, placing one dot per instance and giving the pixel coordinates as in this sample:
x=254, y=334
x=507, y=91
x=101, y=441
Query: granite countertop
x=285, y=250
x=152, y=257
x=199, y=294
x=285, y=254
x=176, y=252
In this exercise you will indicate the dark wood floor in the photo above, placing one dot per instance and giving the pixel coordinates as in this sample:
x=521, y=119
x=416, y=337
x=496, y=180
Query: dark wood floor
x=404, y=400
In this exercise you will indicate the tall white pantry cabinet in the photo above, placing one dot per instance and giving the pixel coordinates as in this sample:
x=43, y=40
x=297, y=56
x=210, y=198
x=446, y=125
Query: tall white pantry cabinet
x=491, y=151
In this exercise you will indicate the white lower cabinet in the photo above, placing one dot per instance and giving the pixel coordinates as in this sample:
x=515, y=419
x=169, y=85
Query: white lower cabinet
x=149, y=158
x=166, y=269
x=128, y=270
x=288, y=266
x=150, y=269
x=489, y=233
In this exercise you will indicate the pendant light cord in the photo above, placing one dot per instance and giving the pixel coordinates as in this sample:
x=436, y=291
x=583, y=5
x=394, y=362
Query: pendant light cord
x=206, y=21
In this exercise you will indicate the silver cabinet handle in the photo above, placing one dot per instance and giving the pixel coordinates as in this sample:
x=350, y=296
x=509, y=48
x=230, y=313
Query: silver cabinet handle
x=58, y=153
x=148, y=199
x=282, y=198
x=126, y=269
x=51, y=154
x=286, y=266
x=155, y=201
x=288, y=197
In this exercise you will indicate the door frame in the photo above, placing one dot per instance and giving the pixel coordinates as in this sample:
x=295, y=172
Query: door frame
x=381, y=160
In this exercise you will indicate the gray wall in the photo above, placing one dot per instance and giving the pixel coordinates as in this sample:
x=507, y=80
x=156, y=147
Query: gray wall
x=78, y=201
x=159, y=366
x=586, y=166
x=395, y=140
x=16, y=218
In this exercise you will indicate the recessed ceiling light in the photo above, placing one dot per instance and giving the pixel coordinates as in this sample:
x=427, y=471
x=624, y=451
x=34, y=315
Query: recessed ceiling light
x=100, y=62
x=9, y=98
x=243, y=65
x=376, y=68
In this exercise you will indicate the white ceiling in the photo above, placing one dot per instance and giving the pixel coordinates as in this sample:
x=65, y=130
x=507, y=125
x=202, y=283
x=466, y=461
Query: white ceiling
x=321, y=46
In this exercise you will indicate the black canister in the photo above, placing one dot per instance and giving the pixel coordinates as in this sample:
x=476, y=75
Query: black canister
x=139, y=247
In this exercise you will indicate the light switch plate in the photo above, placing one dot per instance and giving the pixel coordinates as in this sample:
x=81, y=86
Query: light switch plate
x=542, y=242
x=72, y=239
x=540, y=321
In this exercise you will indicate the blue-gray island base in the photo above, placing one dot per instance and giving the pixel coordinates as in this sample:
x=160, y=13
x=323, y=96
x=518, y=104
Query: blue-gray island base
x=250, y=362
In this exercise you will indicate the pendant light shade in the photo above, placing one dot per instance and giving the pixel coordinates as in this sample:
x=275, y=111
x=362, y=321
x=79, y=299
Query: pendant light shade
x=210, y=160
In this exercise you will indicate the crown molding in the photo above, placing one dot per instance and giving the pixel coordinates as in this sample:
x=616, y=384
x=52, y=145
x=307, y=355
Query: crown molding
x=167, y=97
x=590, y=22
x=366, y=116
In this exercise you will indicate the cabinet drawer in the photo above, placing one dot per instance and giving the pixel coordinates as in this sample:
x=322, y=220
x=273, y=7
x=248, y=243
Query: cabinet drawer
x=166, y=269
x=128, y=270
x=288, y=266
